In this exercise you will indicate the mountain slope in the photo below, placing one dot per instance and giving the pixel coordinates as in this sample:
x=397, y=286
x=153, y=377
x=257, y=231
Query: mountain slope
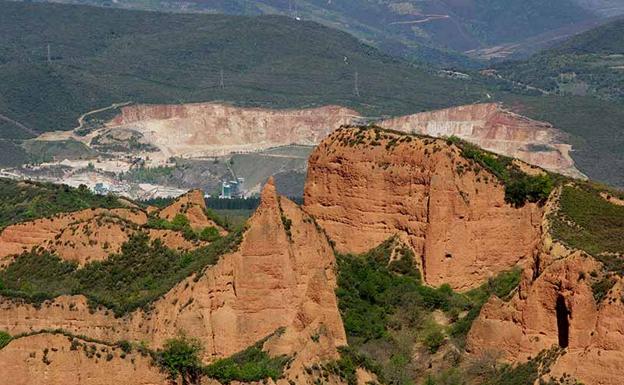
x=603, y=7
x=591, y=63
x=274, y=302
x=421, y=202
x=424, y=30
x=105, y=56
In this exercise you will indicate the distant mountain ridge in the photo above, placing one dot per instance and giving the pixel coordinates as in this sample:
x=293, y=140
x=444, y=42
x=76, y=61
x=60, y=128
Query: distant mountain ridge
x=435, y=31
x=591, y=63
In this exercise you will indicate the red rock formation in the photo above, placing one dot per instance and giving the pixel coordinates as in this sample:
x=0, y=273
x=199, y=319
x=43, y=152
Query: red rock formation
x=50, y=360
x=82, y=236
x=365, y=186
x=558, y=309
x=277, y=278
x=555, y=306
x=94, y=234
x=193, y=206
x=496, y=129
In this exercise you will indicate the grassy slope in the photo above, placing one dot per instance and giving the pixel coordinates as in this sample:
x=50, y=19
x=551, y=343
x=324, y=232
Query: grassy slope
x=101, y=56
x=589, y=222
x=590, y=63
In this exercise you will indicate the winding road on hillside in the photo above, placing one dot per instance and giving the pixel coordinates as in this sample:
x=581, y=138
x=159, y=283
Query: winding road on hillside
x=82, y=117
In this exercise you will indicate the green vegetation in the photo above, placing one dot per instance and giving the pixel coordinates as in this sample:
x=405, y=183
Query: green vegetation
x=149, y=175
x=486, y=371
x=233, y=204
x=587, y=64
x=180, y=357
x=387, y=311
x=472, y=23
x=11, y=154
x=519, y=186
x=251, y=364
x=181, y=223
x=209, y=234
x=601, y=287
x=45, y=151
x=527, y=373
x=140, y=274
x=349, y=362
x=5, y=338
x=104, y=56
x=22, y=201
x=233, y=218
x=587, y=221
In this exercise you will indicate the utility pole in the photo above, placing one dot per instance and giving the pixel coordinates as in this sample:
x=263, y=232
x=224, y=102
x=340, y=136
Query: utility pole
x=356, y=89
x=49, y=56
x=221, y=80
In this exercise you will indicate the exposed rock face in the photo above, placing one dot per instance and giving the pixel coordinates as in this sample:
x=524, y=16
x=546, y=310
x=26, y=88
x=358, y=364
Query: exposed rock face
x=193, y=206
x=533, y=321
x=555, y=306
x=493, y=128
x=94, y=234
x=277, y=278
x=83, y=236
x=364, y=186
x=209, y=129
x=50, y=360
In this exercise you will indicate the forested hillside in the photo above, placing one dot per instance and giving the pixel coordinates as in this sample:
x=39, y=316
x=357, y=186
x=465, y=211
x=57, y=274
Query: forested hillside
x=591, y=63
x=435, y=31
x=102, y=56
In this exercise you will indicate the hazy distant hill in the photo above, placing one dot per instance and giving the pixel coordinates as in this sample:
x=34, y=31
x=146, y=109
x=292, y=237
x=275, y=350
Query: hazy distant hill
x=428, y=30
x=591, y=63
x=603, y=7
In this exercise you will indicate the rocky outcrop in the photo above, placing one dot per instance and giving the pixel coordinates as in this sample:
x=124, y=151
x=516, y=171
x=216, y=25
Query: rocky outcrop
x=282, y=275
x=193, y=206
x=82, y=236
x=52, y=359
x=493, y=128
x=210, y=129
x=366, y=185
x=558, y=309
x=94, y=234
x=555, y=305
